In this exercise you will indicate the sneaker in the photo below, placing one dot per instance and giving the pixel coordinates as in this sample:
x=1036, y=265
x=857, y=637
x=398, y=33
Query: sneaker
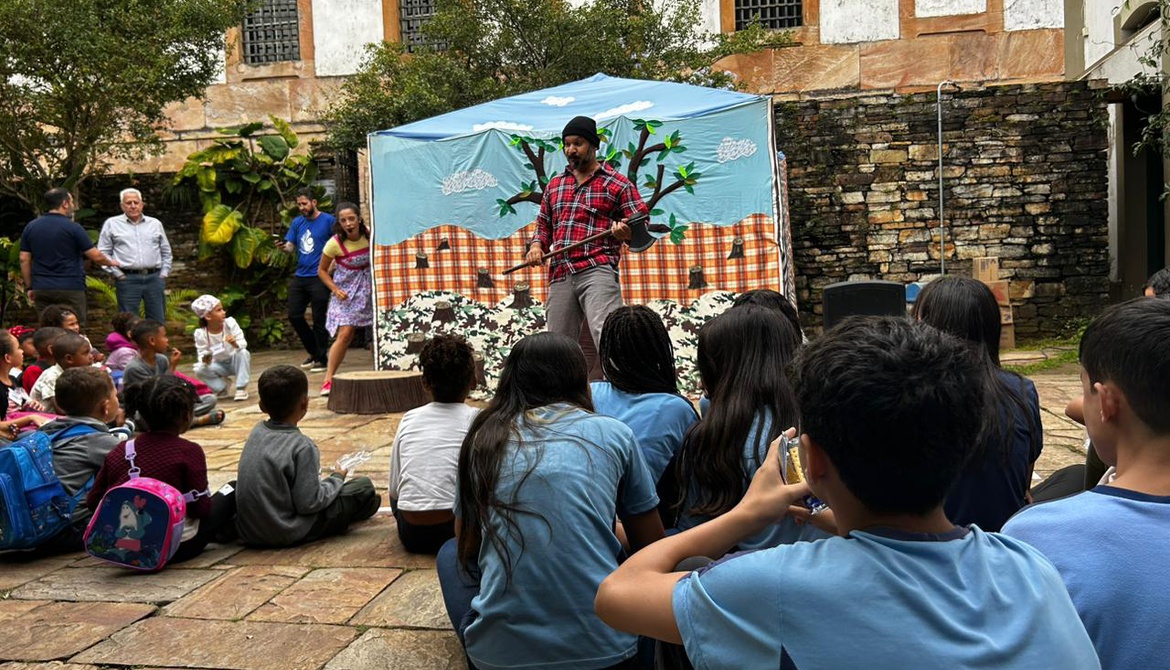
x=326, y=388
x=319, y=366
x=241, y=394
x=307, y=363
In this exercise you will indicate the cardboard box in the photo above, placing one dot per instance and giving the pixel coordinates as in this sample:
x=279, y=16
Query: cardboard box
x=1005, y=314
x=1007, y=337
x=1002, y=291
x=985, y=269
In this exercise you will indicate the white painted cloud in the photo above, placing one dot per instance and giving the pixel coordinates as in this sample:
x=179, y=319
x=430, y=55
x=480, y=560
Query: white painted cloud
x=556, y=101
x=500, y=125
x=731, y=150
x=638, y=106
x=473, y=180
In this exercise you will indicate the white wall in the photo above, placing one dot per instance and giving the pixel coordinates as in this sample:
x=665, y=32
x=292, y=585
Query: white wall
x=1032, y=14
x=927, y=8
x=847, y=21
x=341, y=30
x=1123, y=64
x=1099, y=22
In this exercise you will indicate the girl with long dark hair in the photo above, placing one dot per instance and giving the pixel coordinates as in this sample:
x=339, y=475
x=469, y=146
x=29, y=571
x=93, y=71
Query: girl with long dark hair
x=641, y=391
x=996, y=482
x=742, y=356
x=541, y=480
x=351, y=305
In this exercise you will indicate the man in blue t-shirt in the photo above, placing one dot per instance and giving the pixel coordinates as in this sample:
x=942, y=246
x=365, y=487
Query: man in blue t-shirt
x=307, y=236
x=53, y=250
x=1111, y=543
x=888, y=422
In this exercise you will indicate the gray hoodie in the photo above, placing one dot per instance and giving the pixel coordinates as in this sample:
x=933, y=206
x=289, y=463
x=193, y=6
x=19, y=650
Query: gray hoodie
x=76, y=459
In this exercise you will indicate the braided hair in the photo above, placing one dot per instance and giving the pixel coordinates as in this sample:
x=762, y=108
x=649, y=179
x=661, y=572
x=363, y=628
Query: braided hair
x=636, y=353
x=164, y=403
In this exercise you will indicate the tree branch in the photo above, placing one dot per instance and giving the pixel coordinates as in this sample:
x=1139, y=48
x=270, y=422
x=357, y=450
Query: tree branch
x=535, y=197
x=537, y=162
x=665, y=192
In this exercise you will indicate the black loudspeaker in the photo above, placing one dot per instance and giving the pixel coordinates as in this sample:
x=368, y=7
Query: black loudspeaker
x=863, y=298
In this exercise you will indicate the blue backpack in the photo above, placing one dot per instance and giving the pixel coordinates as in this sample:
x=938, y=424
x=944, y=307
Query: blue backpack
x=33, y=504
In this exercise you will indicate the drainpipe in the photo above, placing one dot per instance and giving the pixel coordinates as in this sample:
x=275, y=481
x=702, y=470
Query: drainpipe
x=942, y=222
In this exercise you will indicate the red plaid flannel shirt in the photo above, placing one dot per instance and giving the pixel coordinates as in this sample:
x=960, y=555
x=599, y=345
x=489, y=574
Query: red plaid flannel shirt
x=570, y=212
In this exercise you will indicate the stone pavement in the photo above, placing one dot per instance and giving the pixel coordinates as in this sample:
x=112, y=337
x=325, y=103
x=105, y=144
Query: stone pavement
x=351, y=603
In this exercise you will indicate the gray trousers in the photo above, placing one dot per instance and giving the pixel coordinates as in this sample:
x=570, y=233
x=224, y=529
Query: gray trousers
x=591, y=294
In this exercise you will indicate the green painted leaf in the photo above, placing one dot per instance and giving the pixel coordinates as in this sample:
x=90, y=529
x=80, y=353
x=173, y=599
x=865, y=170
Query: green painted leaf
x=654, y=124
x=656, y=212
x=673, y=221
x=220, y=224
x=274, y=147
x=678, y=148
x=285, y=130
x=662, y=155
x=689, y=189
x=682, y=171
x=667, y=141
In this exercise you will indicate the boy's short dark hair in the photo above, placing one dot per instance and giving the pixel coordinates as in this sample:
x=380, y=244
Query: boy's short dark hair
x=1127, y=346
x=144, y=330
x=69, y=344
x=282, y=387
x=81, y=390
x=1159, y=282
x=897, y=407
x=448, y=367
x=45, y=337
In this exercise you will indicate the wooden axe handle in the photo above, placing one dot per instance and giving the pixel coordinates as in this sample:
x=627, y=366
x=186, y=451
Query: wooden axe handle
x=636, y=220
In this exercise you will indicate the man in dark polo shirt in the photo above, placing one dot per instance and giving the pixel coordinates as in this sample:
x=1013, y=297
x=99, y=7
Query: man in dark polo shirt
x=53, y=249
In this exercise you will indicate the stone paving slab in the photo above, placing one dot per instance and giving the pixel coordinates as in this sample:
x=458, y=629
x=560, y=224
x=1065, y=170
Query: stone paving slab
x=50, y=665
x=368, y=544
x=380, y=649
x=58, y=630
x=329, y=595
x=414, y=600
x=115, y=585
x=235, y=594
x=233, y=645
x=14, y=572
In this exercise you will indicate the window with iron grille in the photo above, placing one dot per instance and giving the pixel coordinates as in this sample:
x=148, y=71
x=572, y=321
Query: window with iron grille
x=771, y=14
x=413, y=14
x=272, y=33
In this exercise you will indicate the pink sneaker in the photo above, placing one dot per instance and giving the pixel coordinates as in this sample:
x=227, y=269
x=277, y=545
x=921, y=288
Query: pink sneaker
x=326, y=388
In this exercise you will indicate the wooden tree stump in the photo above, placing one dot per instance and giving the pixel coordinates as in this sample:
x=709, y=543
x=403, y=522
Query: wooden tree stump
x=377, y=392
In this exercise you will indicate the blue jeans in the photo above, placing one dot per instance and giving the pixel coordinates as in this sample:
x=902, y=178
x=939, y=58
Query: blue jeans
x=215, y=373
x=458, y=588
x=134, y=289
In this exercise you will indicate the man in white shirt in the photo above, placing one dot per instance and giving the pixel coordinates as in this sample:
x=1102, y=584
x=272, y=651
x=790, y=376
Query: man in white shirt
x=139, y=244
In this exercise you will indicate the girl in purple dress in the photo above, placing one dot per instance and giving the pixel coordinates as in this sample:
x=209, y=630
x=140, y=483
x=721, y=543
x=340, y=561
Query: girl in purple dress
x=351, y=306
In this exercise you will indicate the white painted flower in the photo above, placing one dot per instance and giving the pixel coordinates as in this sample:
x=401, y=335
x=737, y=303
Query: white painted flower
x=638, y=106
x=501, y=125
x=557, y=101
x=730, y=149
x=471, y=180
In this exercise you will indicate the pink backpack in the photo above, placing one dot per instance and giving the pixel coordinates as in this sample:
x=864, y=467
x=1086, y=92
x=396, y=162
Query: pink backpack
x=138, y=524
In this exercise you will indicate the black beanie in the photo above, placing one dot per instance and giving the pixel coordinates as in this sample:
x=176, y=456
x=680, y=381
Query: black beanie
x=582, y=126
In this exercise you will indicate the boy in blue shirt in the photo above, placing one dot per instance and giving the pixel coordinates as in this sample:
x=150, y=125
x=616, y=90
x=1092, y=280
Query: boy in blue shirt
x=1110, y=543
x=889, y=414
x=307, y=235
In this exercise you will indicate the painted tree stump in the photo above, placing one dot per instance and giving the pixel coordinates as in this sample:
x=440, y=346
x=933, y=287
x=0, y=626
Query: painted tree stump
x=377, y=392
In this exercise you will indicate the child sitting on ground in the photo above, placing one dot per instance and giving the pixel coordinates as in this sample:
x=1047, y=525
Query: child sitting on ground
x=281, y=498
x=1110, y=543
x=424, y=462
x=17, y=410
x=120, y=349
x=81, y=439
x=43, y=342
x=62, y=316
x=641, y=391
x=166, y=404
x=888, y=421
x=71, y=351
x=156, y=357
x=221, y=351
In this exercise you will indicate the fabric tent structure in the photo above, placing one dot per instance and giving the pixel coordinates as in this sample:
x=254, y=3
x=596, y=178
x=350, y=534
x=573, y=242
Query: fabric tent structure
x=453, y=199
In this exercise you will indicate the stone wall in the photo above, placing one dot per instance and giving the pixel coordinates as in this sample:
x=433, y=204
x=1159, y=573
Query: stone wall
x=1024, y=180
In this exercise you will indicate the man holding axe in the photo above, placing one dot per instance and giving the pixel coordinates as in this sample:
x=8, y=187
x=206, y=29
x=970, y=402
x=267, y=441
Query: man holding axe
x=586, y=200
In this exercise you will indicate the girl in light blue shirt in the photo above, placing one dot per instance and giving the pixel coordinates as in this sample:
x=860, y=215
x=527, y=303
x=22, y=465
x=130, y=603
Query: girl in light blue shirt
x=541, y=479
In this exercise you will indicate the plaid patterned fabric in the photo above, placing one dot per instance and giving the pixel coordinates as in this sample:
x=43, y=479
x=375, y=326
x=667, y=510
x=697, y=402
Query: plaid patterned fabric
x=570, y=213
x=458, y=261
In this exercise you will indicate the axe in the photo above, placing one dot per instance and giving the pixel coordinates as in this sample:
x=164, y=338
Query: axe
x=640, y=238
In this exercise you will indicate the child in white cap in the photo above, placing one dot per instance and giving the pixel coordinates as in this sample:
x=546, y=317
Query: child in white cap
x=220, y=348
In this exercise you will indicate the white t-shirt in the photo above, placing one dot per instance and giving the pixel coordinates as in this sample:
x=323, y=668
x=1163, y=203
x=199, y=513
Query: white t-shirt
x=425, y=460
